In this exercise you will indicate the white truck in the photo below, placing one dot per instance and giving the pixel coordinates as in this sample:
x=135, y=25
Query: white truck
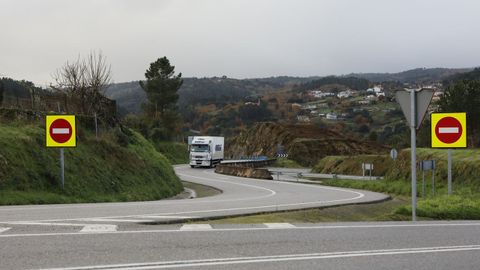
x=206, y=151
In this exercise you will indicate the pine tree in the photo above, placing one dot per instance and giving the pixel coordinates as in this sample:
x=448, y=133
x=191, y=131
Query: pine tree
x=161, y=87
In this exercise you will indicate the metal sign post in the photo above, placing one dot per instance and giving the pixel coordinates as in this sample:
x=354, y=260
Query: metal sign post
x=414, y=104
x=449, y=171
x=62, y=168
x=427, y=165
x=413, y=143
x=60, y=132
x=449, y=130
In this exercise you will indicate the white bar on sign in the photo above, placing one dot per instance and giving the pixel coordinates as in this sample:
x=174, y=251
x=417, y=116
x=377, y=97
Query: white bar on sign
x=448, y=130
x=60, y=131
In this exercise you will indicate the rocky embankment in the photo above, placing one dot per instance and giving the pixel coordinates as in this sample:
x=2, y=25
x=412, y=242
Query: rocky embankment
x=305, y=144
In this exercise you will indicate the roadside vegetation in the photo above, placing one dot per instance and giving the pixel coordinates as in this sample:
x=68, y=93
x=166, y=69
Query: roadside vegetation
x=121, y=165
x=384, y=211
x=175, y=152
x=463, y=204
x=286, y=163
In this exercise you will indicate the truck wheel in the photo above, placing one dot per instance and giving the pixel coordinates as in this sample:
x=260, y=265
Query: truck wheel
x=191, y=166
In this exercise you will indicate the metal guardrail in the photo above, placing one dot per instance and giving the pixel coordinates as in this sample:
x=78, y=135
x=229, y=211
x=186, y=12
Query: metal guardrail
x=253, y=163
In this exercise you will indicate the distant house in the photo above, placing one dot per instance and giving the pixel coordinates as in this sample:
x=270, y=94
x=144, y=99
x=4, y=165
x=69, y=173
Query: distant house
x=380, y=94
x=332, y=116
x=437, y=95
x=296, y=106
x=309, y=107
x=345, y=94
x=377, y=89
x=321, y=94
x=303, y=119
x=363, y=102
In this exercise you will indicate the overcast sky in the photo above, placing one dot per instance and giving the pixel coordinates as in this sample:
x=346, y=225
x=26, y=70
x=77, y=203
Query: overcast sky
x=239, y=38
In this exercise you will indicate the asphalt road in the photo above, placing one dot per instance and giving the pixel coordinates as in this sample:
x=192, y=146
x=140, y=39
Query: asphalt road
x=454, y=245
x=118, y=236
x=240, y=196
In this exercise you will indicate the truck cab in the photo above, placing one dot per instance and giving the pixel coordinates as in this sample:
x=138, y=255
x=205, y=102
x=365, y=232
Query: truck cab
x=206, y=151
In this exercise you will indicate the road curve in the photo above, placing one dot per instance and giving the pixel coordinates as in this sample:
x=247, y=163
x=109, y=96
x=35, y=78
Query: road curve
x=239, y=196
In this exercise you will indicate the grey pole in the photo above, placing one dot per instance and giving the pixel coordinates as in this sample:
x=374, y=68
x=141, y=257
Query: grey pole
x=413, y=142
x=423, y=185
x=433, y=182
x=62, y=168
x=449, y=171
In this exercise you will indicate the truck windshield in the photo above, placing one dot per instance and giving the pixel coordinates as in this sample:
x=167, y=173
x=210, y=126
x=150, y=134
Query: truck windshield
x=200, y=148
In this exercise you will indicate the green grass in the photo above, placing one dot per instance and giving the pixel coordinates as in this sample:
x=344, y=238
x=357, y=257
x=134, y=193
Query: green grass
x=396, y=188
x=119, y=166
x=176, y=152
x=446, y=207
x=352, y=165
x=463, y=204
x=286, y=163
x=384, y=211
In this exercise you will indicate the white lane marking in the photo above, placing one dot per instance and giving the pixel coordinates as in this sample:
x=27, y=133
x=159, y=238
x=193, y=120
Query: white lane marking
x=163, y=217
x=47, y=223
x=273, y=207
x=116, y=220
x=417, y=225
x=4, y=229
x=60, y=131
x=196, y=227
x=149, y=203
x=279, y=225
x=96, y=228
x=448, y=130
x=274, y=258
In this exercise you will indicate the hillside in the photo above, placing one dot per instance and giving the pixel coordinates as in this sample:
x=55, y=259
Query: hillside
x=413, y=76
x=349, y=82
x=305, y=144
x=201, y=91
x=119, y=166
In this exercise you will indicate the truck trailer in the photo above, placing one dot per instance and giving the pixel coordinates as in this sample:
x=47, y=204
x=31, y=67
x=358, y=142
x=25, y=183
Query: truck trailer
x=206, y=151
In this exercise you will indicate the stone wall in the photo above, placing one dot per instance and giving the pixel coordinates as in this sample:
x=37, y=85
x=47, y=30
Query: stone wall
x=259, y=173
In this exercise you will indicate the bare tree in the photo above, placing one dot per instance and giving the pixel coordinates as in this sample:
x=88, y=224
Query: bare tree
x=85, y=79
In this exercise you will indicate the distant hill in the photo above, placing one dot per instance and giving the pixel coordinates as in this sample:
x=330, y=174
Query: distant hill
x=415, y=76
x=350, y=82
x=472, y=75
x=222, y=90
x=202, y=91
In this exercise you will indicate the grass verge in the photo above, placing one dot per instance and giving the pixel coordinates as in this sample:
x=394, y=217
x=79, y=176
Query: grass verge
x=463, y=204
x=286, y=163
x=120, y=165
x=384, y=211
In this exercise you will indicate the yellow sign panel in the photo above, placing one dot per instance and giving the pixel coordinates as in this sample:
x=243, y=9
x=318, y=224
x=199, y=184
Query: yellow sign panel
x=449, y=130
x=60, y=131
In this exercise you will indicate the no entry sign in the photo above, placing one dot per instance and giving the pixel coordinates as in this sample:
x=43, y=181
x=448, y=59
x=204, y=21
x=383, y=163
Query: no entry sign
x=449, y=130
x=60, y=131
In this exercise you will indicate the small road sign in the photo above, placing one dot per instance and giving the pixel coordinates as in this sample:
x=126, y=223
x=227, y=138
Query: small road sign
x=449, y=130
x=394, y=154
x=60, y=131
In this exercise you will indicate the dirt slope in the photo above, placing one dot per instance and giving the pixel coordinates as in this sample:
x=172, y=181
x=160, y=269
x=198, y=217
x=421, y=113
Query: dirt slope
x=305, y=144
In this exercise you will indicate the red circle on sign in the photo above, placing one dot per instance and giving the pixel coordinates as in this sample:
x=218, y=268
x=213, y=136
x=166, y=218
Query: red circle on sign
x=448, y=130
x=60, y=130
